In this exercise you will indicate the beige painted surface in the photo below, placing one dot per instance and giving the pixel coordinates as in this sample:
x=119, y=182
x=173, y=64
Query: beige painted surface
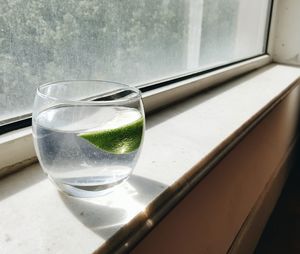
x=250, y=233
x=209, y=218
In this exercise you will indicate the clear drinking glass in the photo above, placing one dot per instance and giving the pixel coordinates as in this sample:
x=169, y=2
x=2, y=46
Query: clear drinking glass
x=88, y=134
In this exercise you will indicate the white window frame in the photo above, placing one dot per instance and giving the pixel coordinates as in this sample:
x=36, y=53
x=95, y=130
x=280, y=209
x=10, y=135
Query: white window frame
x=17, y=149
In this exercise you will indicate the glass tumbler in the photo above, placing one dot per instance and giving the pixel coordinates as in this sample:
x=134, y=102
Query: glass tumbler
x=87, y=134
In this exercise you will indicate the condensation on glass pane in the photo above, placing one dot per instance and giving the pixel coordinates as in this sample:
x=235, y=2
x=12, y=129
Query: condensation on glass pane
x=232, y=30
x=130, y=42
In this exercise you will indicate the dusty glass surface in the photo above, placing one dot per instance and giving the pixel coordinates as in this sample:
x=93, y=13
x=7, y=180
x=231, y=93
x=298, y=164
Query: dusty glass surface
x=131, y=42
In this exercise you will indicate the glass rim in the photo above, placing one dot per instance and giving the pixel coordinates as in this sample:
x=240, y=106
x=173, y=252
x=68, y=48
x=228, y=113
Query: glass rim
x=88, y=102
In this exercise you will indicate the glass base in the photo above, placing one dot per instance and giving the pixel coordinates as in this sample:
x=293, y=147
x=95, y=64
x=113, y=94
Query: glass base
x=87, y=191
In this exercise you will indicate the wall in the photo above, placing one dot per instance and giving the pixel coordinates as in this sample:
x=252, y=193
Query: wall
x=285, y=36
x=210, y=217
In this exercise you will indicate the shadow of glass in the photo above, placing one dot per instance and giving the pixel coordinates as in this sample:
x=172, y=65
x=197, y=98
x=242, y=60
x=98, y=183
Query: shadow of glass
x=21, y=180
x=107, y=214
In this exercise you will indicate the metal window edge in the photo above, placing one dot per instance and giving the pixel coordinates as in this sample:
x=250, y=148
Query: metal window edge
x=17, y=149
x=163, y=96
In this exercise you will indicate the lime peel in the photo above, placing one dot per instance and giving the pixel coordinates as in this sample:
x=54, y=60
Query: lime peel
x=120, y=140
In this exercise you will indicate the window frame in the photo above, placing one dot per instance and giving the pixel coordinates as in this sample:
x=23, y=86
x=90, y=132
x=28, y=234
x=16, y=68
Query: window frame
x=16, y=135
x=23, y=121
x=17, y=146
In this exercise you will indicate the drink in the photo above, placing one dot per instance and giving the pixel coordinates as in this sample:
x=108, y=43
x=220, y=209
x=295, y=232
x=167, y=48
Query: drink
x=87, y=147
x=87, y=134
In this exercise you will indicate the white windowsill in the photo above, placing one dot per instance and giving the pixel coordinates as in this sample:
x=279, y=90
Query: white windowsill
x=180, y=142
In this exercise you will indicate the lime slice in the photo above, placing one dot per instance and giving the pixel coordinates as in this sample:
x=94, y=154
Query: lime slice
x=120, y=140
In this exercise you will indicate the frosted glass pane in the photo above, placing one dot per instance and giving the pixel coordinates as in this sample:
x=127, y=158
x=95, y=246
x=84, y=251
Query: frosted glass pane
x=130, y=42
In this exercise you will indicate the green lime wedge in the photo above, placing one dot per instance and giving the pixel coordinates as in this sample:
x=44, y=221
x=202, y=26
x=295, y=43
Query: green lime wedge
x=120, y=140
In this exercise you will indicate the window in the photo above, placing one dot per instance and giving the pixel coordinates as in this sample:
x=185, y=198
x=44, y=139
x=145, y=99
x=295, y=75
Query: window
x=132, y=42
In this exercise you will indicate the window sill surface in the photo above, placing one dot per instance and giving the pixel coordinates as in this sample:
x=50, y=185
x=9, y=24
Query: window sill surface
x=182, y=144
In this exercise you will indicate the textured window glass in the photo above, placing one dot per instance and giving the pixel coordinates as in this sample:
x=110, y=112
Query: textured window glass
x=131, y=42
